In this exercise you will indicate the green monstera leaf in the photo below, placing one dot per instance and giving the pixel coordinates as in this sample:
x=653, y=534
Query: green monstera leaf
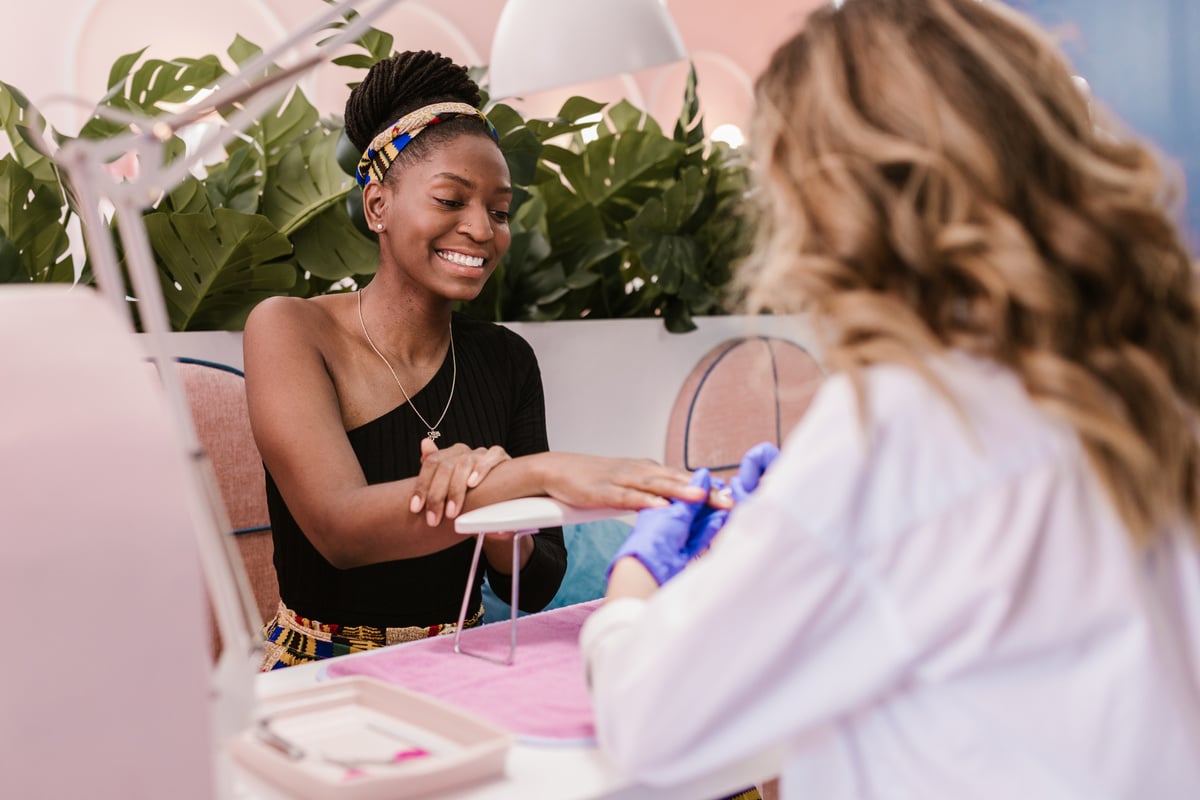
x=175, y=81
x=376, y=45
x=521, y=145
x=281, y=126
x=144, y=91
x=332, y=248
x=17, y=116
x=30, y=223
x=11, y=269
x=671, y=211
x=305, y=182
x=689, y=128
x=218, y=266
x=239, y=181
x=624, y=167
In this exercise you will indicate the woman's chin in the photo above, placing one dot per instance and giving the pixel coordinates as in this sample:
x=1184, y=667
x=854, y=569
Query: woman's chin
x=463, y=293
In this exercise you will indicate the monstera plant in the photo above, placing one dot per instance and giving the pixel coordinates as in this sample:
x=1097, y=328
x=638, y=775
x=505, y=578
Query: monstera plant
x=629, y=222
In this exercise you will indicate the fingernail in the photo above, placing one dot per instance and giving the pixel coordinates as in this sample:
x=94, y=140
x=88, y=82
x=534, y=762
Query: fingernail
x=415, y=504
x=451, y=508
x=473, y=479
x=431, y=518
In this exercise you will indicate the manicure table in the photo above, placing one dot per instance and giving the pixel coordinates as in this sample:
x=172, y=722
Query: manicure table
x=539, y=649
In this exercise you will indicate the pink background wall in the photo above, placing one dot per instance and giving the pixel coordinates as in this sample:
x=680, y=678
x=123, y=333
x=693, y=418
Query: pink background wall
x=729, y=43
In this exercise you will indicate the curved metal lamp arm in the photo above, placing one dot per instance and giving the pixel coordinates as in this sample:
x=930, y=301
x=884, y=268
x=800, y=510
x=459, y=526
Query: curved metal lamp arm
x=250, y=96
x=84, y=162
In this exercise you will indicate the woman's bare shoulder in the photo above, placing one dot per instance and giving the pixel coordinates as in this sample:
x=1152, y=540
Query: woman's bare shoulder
x=284, y=311
x=295, y=321
x=287, y=346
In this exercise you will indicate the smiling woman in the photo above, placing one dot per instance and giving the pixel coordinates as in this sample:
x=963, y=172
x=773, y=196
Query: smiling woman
x=381, y=415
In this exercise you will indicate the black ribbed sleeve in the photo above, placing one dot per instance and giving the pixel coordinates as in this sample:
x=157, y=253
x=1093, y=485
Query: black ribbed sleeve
x=497, y=399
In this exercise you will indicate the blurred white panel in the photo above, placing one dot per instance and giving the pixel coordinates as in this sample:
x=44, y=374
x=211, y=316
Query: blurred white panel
x=104, y=30
x=107, y=682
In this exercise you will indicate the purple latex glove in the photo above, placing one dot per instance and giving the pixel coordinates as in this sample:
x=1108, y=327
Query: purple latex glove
x=665, y=539
x=706, y=525
x=709, y=521
x=750, y=472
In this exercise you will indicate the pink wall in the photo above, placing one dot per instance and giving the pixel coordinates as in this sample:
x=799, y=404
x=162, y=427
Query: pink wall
x=729, y=43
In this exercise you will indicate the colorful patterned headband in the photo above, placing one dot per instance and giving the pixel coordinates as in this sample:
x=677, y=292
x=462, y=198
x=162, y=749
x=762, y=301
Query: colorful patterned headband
x=385, y=147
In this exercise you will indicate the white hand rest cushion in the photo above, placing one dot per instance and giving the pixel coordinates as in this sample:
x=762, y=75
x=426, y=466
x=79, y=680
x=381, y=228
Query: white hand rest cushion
x=529, y=513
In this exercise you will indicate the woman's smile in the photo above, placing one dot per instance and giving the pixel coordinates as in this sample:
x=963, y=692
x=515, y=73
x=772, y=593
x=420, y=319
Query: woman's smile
x=463, y=264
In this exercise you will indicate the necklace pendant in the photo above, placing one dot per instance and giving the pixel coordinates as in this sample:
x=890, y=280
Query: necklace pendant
x=433, y=435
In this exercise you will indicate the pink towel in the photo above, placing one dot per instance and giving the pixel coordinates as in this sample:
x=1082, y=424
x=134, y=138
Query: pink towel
x=540, y=696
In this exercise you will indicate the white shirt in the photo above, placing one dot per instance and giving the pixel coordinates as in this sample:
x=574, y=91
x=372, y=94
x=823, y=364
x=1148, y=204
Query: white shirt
x=923, y=613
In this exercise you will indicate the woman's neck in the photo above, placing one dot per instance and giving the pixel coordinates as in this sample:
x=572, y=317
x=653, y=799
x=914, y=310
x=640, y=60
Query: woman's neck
x=408, y=328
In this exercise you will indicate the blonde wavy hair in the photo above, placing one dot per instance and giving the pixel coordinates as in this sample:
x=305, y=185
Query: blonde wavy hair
x=932, y=177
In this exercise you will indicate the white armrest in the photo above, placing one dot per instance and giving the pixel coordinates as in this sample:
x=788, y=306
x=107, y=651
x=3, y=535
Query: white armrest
x=529, y=513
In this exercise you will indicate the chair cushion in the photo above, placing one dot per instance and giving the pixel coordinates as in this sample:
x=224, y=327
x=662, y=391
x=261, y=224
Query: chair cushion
x=217, y=396
x=218, y=401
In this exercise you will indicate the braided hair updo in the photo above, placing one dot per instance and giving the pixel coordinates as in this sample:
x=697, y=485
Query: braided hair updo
x=403, y=83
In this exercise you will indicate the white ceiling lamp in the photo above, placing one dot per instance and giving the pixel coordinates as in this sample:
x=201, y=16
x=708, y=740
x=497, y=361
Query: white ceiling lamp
x=543, y=44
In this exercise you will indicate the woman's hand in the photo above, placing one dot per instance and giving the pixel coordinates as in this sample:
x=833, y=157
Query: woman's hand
x=600, y=482
x=445, y=476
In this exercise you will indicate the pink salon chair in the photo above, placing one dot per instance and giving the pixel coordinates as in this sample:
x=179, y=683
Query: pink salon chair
x=744, y=391
x=217, y=396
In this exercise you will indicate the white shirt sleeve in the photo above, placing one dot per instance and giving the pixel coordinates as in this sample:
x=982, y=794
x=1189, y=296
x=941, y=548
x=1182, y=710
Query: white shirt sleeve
x=772, y=633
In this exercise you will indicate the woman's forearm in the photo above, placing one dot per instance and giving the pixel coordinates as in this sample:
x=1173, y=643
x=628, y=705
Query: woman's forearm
x=388, y=521
x=376, y=523
x=630, y=579
x=524, y=476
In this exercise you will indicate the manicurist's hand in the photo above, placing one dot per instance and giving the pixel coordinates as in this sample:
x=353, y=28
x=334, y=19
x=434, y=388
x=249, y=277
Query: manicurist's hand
x=753, y=466
x=446, y=475
x=598, y=482
x=664, y=539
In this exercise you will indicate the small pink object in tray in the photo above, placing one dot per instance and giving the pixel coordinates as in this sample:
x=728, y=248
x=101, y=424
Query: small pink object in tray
x=361, y=739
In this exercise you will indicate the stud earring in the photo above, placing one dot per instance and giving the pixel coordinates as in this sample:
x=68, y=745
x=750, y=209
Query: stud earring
x=379, y=226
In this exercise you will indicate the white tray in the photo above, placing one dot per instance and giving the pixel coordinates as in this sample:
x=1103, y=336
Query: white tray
x=364, y=739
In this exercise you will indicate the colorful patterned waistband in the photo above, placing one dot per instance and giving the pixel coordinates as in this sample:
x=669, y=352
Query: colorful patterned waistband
x=292, y=639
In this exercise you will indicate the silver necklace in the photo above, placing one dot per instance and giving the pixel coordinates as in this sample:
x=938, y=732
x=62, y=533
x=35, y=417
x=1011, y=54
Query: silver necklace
x=432, y=430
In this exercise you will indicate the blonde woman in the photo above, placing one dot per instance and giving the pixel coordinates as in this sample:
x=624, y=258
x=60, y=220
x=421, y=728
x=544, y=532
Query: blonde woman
x=972, y=572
